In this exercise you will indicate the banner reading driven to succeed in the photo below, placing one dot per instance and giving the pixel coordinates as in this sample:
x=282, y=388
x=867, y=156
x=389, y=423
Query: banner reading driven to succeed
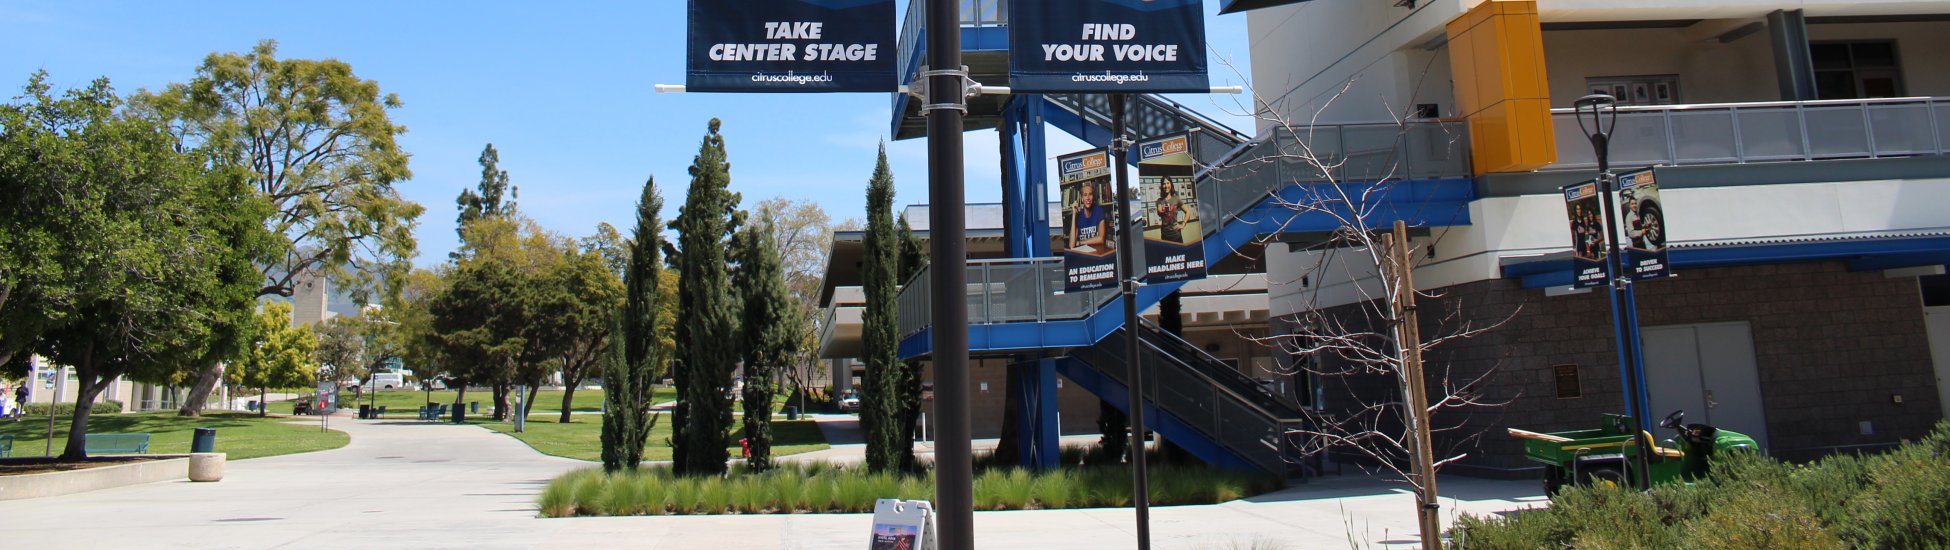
x=1173, y=247
x=791, y=46
x=1643, y=217
x=1107, y=46
x=1588, y=242
x=1089, y=222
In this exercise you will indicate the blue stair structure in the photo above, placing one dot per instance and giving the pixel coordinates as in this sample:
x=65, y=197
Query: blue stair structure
x=1246, y=190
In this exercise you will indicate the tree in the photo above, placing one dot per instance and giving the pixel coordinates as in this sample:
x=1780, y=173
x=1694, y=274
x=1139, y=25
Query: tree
x=880, y=409
x=770, y=333
x=803, y=234
x=576, y=308
x=639, y=360
x=913, y=256
x=341, y=351
x=152, y=246
x=1374, y=341
x=281, y=356
x=316, y=142
x=495, y=197
x=412, y=331
x=477, y=322
x=707, y=324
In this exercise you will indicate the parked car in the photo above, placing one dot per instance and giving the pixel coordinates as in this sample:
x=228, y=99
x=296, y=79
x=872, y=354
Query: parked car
x=850, y=402
x=388, y=380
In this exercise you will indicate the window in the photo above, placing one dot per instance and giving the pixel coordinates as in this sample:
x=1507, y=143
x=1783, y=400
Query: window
x=1856, y=70
x=1637, y=90
x=1936, y=290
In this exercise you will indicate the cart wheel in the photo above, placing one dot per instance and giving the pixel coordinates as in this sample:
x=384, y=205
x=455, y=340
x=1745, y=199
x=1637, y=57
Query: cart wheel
x=1596, y=475
x=1553, y=480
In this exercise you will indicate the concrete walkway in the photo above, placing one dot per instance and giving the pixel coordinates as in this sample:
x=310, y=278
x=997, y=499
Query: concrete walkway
x=404, y=484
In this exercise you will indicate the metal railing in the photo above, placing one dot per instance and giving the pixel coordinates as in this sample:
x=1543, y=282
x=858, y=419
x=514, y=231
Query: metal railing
x=974, y=13
x=1198, y=390
x=1735, y=133
x=1003, y=291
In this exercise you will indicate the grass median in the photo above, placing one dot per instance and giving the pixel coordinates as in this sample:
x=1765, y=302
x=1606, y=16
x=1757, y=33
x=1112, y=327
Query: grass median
x=241, y=435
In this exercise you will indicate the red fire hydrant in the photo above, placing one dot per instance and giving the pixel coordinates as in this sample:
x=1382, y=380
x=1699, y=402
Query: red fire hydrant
x=744, y=448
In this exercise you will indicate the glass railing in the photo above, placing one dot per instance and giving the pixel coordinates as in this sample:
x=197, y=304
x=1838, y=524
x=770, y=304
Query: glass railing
x=974, y=13
x=1331, y=153
x=1733, y=133
x=1001, y=291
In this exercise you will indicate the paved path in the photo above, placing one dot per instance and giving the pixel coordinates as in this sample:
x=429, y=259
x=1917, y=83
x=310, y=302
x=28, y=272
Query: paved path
x=410, y=485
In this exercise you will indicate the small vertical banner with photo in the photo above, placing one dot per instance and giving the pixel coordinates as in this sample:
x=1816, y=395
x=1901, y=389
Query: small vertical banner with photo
x=902, y=525
x=1173, y=245
x=1642, y=216
x=1588, y=240
x=1089, y=221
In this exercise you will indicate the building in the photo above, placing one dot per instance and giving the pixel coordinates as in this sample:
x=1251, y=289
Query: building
x=1800, y=148
x=1800, y=152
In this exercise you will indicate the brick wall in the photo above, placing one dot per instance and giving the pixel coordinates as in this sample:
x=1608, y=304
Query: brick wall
x=1831, y=348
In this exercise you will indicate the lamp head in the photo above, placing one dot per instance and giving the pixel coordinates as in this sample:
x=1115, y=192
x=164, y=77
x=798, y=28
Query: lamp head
x=1597, y=107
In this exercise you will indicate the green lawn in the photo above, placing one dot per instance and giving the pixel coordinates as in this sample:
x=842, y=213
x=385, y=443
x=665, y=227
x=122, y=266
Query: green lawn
x=242, y=435
x=582, y=438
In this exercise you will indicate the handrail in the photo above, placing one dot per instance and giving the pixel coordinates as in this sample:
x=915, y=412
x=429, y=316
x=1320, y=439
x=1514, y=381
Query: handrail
x=1748, y=104
x=1186, y=347
x=1765, y=131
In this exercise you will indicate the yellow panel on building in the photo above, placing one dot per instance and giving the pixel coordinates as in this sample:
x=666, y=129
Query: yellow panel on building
x=1496, y=53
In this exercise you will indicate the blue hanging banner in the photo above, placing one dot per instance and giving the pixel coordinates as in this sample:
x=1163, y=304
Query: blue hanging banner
x=1642, y=215
x=791, y=46
x=1089, y=221
x=1107, y=46
x=1173, y=236
x=1588, y=241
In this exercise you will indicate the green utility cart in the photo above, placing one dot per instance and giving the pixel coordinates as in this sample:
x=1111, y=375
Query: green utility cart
x=1606, y=454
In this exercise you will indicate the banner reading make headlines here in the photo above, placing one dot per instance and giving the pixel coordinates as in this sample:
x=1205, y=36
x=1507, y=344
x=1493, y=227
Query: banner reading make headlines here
x=1643, y=216
x=1588, y=241
x=1173, y=247
x=1107, y=46
x=1089, y=223
x=791, y=46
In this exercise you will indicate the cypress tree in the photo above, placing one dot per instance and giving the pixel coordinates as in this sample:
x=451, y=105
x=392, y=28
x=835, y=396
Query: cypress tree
x=770, y=334
x=879, y=332
x=635, y=363
x=912, y=259
x=707, y=313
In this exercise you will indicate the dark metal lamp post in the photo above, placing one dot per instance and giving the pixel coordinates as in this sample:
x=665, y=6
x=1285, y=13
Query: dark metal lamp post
x=1602, y=111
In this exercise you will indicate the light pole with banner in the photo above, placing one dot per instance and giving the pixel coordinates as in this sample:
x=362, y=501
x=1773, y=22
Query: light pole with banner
x=1602, y=112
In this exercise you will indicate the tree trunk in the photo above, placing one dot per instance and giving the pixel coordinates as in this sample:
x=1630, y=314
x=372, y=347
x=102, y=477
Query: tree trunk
x=568, y=396
x=528, y=405
x=206, y=382
x=500, y=402
x=89, y=387
x=263, y=401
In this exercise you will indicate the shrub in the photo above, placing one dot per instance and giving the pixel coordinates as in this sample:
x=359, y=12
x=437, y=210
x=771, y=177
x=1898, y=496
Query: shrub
x=1898, y=499
x=106, y=406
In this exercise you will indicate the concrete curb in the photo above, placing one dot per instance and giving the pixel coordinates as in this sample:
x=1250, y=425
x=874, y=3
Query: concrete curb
x=93, y=479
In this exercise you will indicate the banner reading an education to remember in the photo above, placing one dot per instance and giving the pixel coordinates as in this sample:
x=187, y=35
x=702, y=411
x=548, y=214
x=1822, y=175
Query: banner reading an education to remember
x=1173, y=248
x=1107, y=46
x=1643, y=217
x=1588, y=241
x=791, y=46
x=1089, y=221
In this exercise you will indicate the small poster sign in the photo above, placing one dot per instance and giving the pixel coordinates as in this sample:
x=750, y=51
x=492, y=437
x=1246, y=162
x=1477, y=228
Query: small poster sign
x=902, y=525
x=1642, y=215
x=1588, y=240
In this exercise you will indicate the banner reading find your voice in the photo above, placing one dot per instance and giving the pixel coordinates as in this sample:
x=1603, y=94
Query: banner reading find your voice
x=1107, y=46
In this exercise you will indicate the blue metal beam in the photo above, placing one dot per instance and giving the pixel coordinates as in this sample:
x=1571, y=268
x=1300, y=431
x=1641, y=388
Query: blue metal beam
x=1035, y=397
x=1862, y=255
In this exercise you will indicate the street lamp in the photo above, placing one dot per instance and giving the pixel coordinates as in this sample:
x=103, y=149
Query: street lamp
x=1602, y=110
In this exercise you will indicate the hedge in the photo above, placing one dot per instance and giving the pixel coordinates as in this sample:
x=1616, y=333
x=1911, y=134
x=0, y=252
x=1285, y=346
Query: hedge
x=106, y=406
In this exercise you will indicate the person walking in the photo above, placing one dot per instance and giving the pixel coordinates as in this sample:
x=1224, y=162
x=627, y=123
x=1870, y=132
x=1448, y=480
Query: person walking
x=20, y=400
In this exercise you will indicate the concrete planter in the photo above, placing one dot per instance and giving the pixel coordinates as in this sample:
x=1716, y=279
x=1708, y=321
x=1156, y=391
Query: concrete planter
x=206, y=466
x=93, y=479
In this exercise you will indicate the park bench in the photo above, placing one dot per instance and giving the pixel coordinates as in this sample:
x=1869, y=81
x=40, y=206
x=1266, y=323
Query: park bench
x=116, y=443
x=6, y=445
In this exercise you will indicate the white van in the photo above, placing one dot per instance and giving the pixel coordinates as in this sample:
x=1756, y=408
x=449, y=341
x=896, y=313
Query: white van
x=388, y=380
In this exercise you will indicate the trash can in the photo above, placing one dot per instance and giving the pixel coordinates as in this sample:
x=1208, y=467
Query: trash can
x=474, y=407
x=204, y=441
x=460, y=415
x=791, y=412
x=365, y=411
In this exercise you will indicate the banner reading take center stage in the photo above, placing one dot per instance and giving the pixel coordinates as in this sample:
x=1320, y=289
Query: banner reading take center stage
x=791, y=46
x=1089, y=222
x=1173, y=244
x=1107, y=46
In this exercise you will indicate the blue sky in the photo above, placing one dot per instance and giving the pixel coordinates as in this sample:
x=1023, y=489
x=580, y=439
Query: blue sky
x=562, y=90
